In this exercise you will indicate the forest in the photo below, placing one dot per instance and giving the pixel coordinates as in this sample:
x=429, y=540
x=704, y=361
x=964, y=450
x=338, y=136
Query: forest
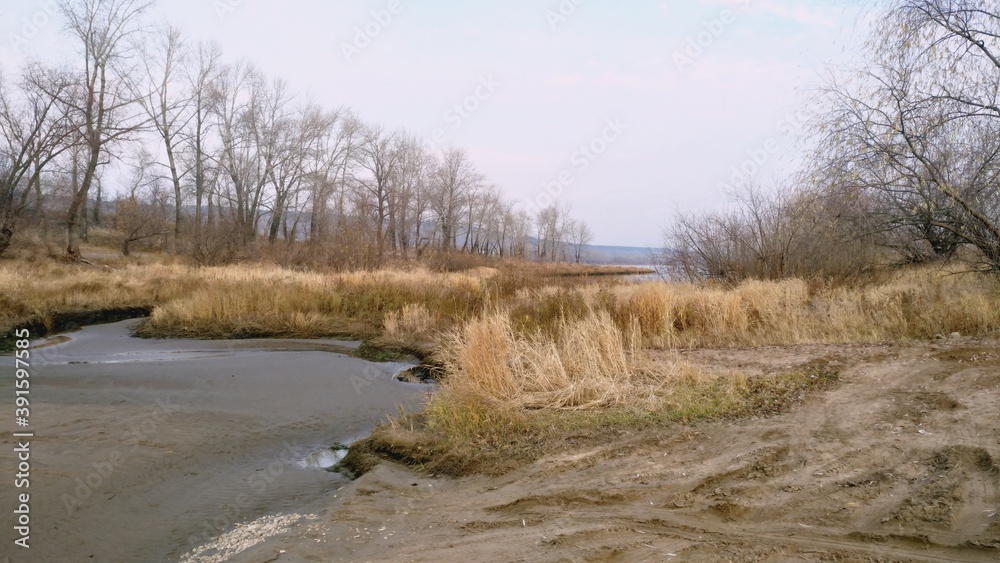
x=157, y=142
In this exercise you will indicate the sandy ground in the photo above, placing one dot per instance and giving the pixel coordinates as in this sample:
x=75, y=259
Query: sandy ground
x=898, y=462
x=147, y=449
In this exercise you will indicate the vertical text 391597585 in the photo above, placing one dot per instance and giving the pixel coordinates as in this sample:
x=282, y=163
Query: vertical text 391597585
x=22, y=449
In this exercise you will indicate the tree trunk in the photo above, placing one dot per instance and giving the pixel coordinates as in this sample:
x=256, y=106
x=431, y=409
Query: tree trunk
x=175, y=179
x=6, y=233
x=40, y=204
x=97, y=205
x=75, y=217
x=380, y=232
x=275, y=224
x=446, y=235
x=210, y=219
x=72, y=229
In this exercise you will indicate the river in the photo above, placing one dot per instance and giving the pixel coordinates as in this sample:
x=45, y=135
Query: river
x=145, y=449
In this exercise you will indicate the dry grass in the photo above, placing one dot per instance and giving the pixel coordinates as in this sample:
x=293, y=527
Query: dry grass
x=919, y=304
x=524, y=355
x=588, y=365
x=267, y=300
x=414, y=321
x=271, y=301
x=509, y=396
x=584, y=349
x=235, y=301
x=33, y=292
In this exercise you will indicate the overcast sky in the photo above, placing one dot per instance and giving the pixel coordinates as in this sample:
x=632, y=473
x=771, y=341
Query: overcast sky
x=629, y=109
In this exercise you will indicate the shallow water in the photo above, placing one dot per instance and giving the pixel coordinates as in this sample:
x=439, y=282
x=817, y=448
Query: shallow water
x=144, y=449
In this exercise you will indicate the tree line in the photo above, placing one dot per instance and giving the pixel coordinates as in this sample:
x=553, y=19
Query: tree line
x=903, y=165
x=219, y=158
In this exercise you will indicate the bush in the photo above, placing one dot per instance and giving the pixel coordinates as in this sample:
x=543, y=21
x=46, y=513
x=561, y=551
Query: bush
x=770, y=236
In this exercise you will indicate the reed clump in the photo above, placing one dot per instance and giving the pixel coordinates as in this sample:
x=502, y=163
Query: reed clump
x=504, y=386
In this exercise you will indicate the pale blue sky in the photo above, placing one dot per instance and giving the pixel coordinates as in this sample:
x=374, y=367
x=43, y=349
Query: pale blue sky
x=558, y=83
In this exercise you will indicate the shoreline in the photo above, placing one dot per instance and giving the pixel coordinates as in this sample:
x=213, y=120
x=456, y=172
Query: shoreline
x=62, y=324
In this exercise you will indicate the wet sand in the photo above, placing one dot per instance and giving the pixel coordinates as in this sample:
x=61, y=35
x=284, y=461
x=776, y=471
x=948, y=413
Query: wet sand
x=147, y=449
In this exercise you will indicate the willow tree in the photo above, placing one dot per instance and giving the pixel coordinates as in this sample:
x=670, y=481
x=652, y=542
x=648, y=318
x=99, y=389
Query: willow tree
x=917, y=129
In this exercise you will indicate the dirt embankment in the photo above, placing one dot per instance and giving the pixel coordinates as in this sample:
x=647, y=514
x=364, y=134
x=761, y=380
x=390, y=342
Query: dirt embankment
x=899, y=462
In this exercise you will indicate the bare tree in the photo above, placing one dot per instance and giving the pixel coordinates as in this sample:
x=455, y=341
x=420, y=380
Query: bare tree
x=33, y=131
x=551, y=223
x=487, y=221
x=519, y=224
x=423, y=168
x=918, y=129
x=298, y=140
x=255, y=163
x=580, y=236
x=250, y=111
x=201, y=81
x=773, y=233
x=454, y=181
x=335, y=152
x=102, y=106
x=409, y=205
x=380, y=156
x=169, y=107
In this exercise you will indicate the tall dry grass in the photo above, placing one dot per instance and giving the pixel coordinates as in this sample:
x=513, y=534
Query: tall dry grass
x=267, y=300
x=270, y=301
x=524, y=354
x=590, y=363
x=37, y=291
x=413, y=321
x=582, y=348
x=918, y=304
x=237, y=300
x=501, y=381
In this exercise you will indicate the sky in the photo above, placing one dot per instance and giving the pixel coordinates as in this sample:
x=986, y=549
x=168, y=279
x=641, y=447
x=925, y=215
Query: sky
x=629, y=110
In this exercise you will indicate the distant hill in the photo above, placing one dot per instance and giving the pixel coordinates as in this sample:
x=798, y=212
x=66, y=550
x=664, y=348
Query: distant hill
x=621, y=255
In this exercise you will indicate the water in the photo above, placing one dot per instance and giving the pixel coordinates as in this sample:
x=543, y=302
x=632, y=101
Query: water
x=144, y=448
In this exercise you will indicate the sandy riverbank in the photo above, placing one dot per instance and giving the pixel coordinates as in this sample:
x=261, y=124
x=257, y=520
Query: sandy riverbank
x=898, y=462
